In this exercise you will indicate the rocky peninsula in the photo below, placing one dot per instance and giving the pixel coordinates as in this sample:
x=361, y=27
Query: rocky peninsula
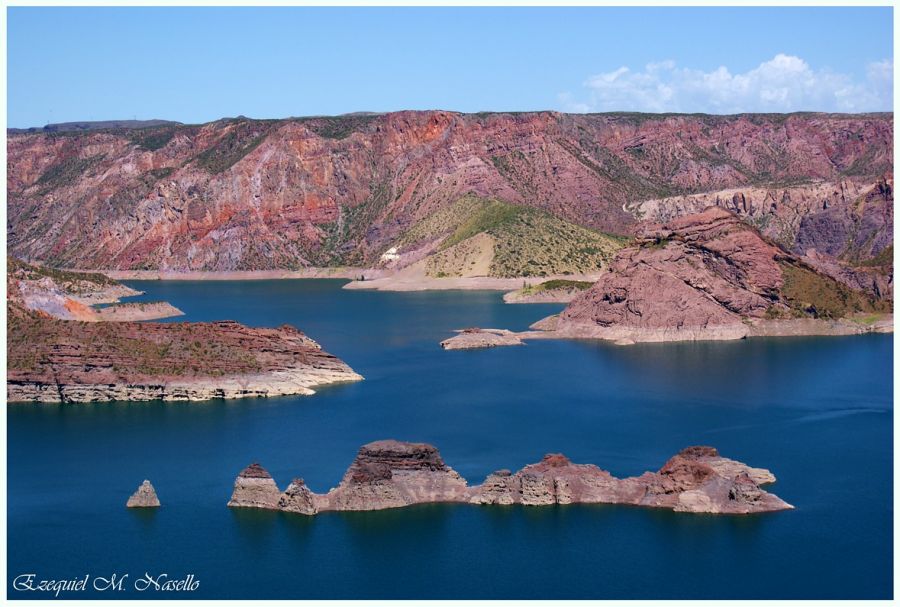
x=84, y=296
x=708, y=276
x=394, y=474
x=54, y=358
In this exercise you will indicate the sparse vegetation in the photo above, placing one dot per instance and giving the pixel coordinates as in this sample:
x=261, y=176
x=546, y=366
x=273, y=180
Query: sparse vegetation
x=243, y=137
x=152, y=138
x=66, y=170
x=808, y=293
x=69, y=279
x=556, y=285
x=339, y=127
x=884, y=258
x=525, y=241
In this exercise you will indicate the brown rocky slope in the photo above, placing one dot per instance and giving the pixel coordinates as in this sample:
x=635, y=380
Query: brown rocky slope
x=393, y=474
x=706, y=276
x=281, y=194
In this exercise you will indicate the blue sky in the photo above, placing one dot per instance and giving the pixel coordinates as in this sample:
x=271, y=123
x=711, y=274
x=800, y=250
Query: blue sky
x=196, y=64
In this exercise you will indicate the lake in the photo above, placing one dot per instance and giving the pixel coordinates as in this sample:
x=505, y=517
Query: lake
x=816, y=411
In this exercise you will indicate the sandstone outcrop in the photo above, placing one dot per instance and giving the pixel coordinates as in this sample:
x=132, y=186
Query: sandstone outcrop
x=144, y=497
x=392, y=474
x=704, y=276
x=468, y=339
x=240, y=194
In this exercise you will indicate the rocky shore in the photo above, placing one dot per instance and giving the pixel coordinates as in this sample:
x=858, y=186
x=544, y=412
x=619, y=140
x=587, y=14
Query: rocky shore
x=392, y=474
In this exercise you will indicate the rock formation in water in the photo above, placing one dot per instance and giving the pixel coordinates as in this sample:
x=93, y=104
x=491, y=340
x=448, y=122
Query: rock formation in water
x=392, y=474
x=474, y=338
x=705, y=276
x=54, y=360
x=281, y=194
x=255, y=488
x=144, y=497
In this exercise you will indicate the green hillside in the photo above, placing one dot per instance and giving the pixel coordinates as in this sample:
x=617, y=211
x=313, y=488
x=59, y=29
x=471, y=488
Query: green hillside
x=524, y=241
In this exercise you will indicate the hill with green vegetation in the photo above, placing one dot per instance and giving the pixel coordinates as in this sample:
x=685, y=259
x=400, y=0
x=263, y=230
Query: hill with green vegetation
x=495, y=238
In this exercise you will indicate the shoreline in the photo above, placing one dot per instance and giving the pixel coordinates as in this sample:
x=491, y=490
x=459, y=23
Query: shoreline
x=300, y=381
x=480, y=338
x=375, y=279
x=347, y=272
x=404, y=283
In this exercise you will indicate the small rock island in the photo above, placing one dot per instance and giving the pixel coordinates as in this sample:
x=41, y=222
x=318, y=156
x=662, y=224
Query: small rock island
x=393, y=474
x=144, y=497
x=468, y=339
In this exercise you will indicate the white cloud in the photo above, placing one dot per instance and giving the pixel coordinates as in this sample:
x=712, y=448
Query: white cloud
x=783, y=84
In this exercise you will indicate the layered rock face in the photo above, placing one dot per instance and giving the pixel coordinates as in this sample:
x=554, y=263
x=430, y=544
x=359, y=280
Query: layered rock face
x=65, y=361
x=144, y=497
x=392, y=474
x=702, y=276
x=248, y=195
x=255, y=488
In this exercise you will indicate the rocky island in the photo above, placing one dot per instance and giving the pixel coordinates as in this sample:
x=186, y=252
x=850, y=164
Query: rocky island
x=393, y=474
x=467, y=339
x=144, y=497
x=53, y=358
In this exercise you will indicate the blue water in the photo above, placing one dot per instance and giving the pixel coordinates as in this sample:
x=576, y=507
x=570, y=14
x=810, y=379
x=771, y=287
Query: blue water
x=816, y=411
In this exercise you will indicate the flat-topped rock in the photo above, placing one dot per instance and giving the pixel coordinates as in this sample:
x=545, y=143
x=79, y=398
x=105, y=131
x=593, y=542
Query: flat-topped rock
x=255, y=488
x=393, y=474
x=467, y=339
x=144, y=497
x=389, y=474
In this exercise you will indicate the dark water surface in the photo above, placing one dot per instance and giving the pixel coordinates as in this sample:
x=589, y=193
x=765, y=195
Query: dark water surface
x=816, y=411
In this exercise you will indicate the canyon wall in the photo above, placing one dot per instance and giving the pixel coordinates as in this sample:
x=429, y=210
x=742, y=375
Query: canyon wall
x=241, y=194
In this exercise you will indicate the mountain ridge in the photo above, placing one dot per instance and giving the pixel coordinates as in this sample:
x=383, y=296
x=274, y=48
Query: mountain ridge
x=244, y=194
